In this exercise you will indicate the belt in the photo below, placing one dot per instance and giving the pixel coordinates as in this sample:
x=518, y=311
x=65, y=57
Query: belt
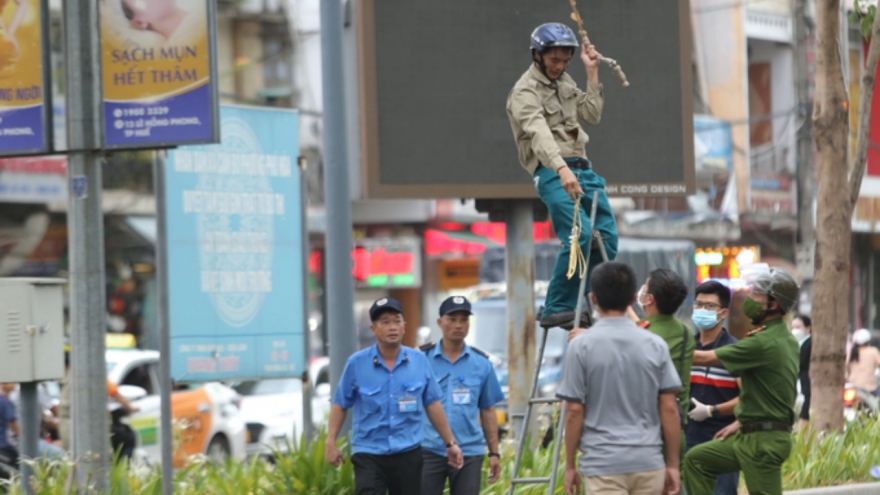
x=578, y=162
x=756, y=427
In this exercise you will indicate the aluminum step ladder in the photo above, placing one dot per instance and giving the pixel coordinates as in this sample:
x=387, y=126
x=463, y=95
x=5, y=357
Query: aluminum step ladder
x=534, y=400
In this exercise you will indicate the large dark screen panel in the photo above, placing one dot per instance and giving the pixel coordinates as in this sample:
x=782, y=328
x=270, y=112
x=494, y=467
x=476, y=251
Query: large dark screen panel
x=437, y=75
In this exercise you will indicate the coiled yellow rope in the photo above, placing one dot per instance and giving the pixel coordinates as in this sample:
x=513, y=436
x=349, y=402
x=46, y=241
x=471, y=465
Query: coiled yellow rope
x=577, y=263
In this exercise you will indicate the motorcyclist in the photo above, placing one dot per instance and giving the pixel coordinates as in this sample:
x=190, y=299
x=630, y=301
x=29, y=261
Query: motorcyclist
x=864, y=359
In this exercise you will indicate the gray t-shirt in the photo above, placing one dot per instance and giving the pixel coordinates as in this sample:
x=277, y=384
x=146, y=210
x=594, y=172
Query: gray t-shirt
x=617, y=370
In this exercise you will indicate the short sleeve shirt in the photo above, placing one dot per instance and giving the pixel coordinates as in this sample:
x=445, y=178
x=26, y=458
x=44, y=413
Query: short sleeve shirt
x=673, y=331
x=617, y=371
x=467, y=386
x=767, y=363
x=7, y=415
x=388, y=404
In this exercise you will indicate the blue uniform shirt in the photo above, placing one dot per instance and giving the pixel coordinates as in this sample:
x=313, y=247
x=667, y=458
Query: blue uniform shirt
x=468, y=385
x=7, y=415
x=388, y=405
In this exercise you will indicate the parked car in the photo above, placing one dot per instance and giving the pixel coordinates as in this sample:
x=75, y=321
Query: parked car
x=489, y=334
x=273, y=409
x=208, y=415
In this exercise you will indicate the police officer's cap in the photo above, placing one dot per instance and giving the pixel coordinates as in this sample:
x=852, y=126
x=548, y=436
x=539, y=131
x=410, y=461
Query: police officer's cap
x=384, y=304
x=455, y=303
x=776, y=282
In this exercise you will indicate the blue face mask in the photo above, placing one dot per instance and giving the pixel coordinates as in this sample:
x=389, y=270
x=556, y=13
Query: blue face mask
x=704, y=319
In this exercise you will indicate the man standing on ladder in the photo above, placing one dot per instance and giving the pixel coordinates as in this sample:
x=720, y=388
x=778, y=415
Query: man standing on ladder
x=543, y=108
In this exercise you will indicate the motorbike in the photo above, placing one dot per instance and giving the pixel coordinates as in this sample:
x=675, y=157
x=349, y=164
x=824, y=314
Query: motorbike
x=858, y=401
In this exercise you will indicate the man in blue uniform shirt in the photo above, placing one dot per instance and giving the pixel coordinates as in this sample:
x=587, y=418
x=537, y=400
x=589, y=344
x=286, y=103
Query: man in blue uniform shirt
x=390, y=387
x=470, y=391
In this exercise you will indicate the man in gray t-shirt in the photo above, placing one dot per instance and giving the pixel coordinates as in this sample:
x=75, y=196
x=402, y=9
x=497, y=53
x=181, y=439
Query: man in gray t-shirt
x=619, y=386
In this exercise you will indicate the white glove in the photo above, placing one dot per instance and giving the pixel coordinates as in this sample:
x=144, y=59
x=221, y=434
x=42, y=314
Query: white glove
x=700, y=412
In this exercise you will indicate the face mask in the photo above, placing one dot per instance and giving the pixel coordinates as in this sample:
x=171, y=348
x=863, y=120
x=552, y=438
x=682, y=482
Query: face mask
x=639, y=297
x=799, y=334
x=704, y=319
x=754, y=310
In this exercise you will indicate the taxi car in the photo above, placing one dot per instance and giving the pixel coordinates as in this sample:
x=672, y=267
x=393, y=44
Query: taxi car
x=207, y=416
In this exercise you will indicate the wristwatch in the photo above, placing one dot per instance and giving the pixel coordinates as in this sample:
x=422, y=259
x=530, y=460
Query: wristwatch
x=495, y=454
x=449, y=445
x=713, y=411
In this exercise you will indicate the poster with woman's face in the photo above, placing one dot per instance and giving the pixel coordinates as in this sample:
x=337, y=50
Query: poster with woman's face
x=156, y=65
x=22, y=109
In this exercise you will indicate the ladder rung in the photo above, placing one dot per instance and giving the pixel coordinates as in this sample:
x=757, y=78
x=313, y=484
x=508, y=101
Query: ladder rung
x=524, y=481
x=543, y=400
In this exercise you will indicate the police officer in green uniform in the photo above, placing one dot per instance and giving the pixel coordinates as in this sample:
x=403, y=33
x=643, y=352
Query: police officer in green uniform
x=759, y=442
x=660, y=298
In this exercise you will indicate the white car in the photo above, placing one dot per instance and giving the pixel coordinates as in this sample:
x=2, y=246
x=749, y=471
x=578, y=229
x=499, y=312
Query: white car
x=208, y=415
x=273, y=409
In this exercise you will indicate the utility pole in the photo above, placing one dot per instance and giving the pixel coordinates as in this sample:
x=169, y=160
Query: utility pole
x=85, y=227
x=520, y=266
x=337, y=199
x=806, y=236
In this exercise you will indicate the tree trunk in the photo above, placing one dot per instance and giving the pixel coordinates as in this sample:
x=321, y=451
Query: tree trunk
x=831, y=289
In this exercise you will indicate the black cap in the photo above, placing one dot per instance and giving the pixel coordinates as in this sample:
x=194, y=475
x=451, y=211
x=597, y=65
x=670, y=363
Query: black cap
x=455, y=303
x=384, y=304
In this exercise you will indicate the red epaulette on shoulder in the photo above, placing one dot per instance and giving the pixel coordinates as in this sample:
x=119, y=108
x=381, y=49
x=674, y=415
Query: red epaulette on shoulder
x=645, y=324
x=756, y=330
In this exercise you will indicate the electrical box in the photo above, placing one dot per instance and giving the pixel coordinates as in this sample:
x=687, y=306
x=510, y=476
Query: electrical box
x=31, y=329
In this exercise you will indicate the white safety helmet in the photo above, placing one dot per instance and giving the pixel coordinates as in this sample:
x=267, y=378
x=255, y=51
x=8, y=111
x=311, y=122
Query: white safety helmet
x=862, y=336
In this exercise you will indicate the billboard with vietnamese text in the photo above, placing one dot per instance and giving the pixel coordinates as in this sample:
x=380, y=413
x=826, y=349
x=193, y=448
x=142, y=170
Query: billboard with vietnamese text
x=23, y=78
x=159, y=84
x=235, y=251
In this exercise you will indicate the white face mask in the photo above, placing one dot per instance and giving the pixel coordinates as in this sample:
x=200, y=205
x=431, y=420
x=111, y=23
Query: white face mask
x=799, y=334
x=639, y=298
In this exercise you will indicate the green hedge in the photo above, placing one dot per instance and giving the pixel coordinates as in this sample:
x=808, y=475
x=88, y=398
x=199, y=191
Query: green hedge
x=815, y=461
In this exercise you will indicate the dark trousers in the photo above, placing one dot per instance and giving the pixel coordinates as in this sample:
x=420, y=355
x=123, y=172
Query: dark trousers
x=9, y=456
x=464, y=481
x=395, y=474
x=123, y=440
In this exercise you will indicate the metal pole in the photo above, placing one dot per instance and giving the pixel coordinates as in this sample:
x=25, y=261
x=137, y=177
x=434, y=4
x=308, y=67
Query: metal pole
x=308, y=425
x=520, y=261
x=166, y=440
x=806, y=236
x=340, y=285
x=85, y=231
x=30, y=431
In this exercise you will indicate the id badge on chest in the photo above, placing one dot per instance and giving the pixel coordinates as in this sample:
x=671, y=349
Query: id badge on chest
x=407, y=404
x=461, y=395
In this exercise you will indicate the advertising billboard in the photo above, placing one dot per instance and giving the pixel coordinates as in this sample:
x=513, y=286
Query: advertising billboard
x=235, y=251
x=158, y=77
x=24, y=71
x=434, y=123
